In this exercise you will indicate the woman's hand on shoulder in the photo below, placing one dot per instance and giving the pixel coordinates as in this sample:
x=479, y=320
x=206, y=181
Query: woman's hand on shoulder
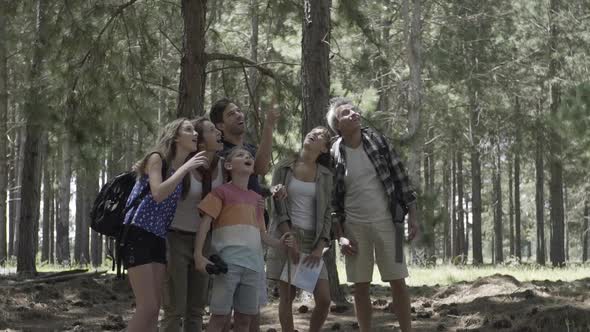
x=279, y=192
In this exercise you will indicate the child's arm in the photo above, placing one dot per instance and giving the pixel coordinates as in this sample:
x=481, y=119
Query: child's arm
x=285, y=241
x=200, y=260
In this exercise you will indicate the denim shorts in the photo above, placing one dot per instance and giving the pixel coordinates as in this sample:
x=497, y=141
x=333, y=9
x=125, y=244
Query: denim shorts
x=238, y=288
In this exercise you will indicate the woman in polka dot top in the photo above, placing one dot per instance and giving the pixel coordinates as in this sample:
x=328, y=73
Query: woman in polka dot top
x=144, y=252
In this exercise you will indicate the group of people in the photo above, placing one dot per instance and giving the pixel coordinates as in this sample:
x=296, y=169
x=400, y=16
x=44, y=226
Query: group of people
x=204, y=198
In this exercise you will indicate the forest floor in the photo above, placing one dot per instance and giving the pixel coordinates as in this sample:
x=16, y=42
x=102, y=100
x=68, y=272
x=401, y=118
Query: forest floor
x=557, y=301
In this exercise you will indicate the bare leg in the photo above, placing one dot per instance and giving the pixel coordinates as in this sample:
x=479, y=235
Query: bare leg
x=255, y=323
x=144, y=281
x=241, y=322
x=362, y=305
x=321, y=295
x=286, y=306
x=401, y=304
x=217, y=322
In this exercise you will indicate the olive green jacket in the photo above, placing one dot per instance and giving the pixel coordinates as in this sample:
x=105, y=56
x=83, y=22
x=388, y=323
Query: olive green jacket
x=323, y=208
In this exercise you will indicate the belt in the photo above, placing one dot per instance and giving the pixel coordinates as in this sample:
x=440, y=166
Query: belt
x=178, y=231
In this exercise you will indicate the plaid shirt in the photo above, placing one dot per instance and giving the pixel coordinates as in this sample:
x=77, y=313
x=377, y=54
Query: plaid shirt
x=390, y=171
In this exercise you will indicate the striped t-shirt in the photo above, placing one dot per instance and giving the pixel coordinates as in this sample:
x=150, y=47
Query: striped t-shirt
x=238, y=221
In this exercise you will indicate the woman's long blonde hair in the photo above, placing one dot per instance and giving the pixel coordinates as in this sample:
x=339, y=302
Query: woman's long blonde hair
x=165, y=146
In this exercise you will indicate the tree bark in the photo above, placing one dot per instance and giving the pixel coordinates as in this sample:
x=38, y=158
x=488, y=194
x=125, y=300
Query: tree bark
x=555, y=145
x=315, y=69
x=498, y=229
x=460, y=206
x=14, y=183
x=447, y=209
x=455, y=214
x=47, y=204
x=517, y=220
x=586, y=218
x=191, y=97
x=62, y=223
x=315, y=86
x=539, y=194
x=475, y=180
x=511, y=208
x=3, y=131
x=34, y=128
x=79, y=217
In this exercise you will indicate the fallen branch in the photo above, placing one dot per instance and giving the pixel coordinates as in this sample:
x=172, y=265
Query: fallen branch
x=55, y=278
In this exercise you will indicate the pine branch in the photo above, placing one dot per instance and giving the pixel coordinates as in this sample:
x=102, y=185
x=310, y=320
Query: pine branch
x=116, y=13
x=245, y=62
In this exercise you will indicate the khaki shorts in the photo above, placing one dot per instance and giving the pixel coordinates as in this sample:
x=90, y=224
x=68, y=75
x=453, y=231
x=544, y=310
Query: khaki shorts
x=376, y=242
x=276, y=259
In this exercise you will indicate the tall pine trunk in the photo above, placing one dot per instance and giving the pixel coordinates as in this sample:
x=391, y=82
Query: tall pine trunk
x=540, y=194
x=62, y=222
x=460, y=206
x=194, y=60
x=475, y=180
x=34, y=129
x=47, y=204
x=585, y=227
x=79, y=217
x=511, y=208
x=315, y=69
x=555, y=145
x=447, y=209
x=498, y=216
x=3, y=131
x=454, y=215
x=517, y=219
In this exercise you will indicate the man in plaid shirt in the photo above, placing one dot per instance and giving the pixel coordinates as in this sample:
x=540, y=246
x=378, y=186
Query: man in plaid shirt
x=372, y=196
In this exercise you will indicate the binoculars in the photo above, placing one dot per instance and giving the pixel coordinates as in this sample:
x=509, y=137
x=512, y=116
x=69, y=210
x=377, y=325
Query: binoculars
x=218, y=266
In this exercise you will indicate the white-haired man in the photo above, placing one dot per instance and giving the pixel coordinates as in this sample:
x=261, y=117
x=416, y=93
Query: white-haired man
x=372, y=196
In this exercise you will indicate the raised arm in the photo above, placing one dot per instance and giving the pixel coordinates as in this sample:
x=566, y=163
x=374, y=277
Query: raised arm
x=162, y=189
x=264, y=153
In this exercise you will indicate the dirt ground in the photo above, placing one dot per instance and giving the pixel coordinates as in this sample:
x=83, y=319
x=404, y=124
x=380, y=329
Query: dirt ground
x=93, y=302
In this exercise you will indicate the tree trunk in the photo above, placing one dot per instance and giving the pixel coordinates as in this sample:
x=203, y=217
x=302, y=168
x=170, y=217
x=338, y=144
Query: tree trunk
x=315, y=69
x=566, y=224
x=47, y=204
x=53, y=213
x=454, y=215
x=447, y=210
x=475, y=181
x=498, y=229
x=90, y=191
x=517, y=223
x=585, y=227
x=34, y=110
x=253, y=72
x=191, y=88
x=3, y=132
x=429, y=197
x=62, y=223
x=315, y=84
x=460, y=207
x=79, y=216
x=511, y=209
x=555, y=145
x=540, y=195
x=14, y=179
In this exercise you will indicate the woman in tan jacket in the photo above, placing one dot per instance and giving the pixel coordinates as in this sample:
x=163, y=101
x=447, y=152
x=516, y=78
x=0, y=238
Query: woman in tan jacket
x=302, y=189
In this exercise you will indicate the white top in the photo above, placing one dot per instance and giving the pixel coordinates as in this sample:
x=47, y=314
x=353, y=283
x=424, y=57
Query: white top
x=366, y=200
x=187, y=216
x=301, y=196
